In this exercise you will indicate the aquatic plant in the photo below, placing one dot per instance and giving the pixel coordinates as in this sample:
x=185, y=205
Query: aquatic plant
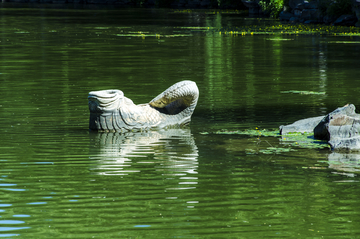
x=287, y=29
x=272, y=7
x=290, y=141
x=275, y=150
x=276, y=31
x=269, y=150
x=303, y=140
x=281, y=30
x=252, y=132
x=303, y=92
x=143, y=35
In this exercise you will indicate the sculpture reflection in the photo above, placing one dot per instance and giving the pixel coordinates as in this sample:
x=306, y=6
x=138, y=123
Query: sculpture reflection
x=172, y=152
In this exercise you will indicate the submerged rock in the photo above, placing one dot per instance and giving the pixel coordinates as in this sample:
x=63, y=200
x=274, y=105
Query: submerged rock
x=339, y=128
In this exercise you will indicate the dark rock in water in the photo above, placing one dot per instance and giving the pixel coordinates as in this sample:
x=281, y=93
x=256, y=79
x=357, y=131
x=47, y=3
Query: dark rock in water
x=346, y=20
x=329, y=19
x=339, y=128
x=285, y=16
x=294, y=3
x=311, y=22
x=356, y=8
x=294, y=20
x=311, y=14
x=311, y=5
x=254, y=7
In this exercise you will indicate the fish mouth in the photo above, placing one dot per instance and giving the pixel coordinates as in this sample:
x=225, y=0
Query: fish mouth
x=172, y=108
x=180, y=97
x=104, y=100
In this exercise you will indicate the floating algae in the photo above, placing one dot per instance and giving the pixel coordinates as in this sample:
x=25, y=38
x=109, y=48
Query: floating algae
x=303, y=92
x=286, y=143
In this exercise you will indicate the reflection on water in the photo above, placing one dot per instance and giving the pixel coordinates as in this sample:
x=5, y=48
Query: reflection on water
x=345, y=163
x=171, y=151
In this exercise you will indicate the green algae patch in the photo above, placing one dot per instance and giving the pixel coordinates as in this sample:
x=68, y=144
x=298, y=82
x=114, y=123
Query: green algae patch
x=269, y=141
x=303, y=140
x=144, y=35
x=213, y=11
x=285, y=30
x=269, y=150
x=275, y=150
x=302, y=92
x=278, y=39
x=345, y=42
x=252, y=132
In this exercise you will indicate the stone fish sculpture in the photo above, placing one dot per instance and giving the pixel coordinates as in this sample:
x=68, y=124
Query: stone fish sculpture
x=111, y=111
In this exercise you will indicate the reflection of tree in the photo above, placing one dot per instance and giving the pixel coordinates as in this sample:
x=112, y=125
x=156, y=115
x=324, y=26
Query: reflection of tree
x=246, y=73
x=173, y=151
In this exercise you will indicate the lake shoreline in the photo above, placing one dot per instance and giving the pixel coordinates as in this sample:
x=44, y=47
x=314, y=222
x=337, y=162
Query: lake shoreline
x=182, y=4
x=295, y=16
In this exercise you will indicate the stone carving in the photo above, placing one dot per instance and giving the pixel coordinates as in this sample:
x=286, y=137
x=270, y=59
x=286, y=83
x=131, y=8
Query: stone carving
x=111, y=111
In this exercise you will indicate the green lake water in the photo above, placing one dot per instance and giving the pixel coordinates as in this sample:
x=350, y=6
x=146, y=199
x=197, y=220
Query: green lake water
x=58, y=180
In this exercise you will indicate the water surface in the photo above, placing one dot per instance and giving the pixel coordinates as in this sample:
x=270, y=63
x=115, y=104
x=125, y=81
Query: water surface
x=57, y=179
